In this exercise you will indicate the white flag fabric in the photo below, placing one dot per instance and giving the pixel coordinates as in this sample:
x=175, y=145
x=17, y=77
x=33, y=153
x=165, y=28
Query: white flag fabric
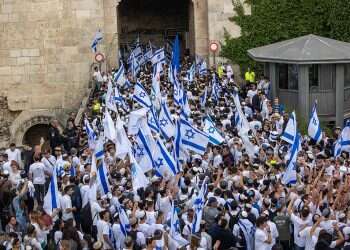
x=290, y=174
x=241, y=121
x=92, y=137
x=152, y=121
x=123, y=145
x=123, y=218
x=192, y=138
x=186, y=110
x=99, y=149
x=290, y=130
x=166, y=124
x=158, y=56
x=135, y=120
x=203, y=70
x=214, y=135
x=138, y=177
x=314, y=128
x=108, y=126
x=141, y=96
x=345, y=137
x=248, y=230
x=51, y=199
x=203, y=98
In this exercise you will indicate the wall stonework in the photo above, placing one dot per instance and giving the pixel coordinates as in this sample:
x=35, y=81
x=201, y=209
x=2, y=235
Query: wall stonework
x=45, y=55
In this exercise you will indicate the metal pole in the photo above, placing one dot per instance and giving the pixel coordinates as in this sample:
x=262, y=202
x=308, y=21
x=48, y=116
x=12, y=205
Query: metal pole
x=214, y=53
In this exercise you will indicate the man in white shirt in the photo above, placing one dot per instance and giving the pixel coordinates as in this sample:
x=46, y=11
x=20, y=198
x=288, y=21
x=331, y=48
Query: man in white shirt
x=66, y=204
x=14, y=154
x=37, y=176
x=263, y=237
x=104, y=231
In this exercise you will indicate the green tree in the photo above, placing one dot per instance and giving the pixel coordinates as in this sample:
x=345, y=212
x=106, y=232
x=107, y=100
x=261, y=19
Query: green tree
x=277, y=20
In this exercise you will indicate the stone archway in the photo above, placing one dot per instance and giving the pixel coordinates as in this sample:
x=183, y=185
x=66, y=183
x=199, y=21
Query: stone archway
x=27, y=120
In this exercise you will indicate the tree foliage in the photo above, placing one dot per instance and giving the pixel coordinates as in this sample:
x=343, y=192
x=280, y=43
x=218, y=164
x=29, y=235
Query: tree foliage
x=277, y=20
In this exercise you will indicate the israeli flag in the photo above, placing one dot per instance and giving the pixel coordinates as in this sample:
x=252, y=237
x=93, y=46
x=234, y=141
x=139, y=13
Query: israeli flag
x=158, y=57
x=248, y=230
x=214, y=135
x=215, y=92
x=175, y=231
x=337, y=148
x=91, y=134
x=138, y=177
x=119, y=100
x=152, y=121
x=241, y=121
x=136, y=118
x=166, y=124
x=135, y=66
x=108, y=127
x=290, y=130
x=51, y=199
x=121, y=139
x=175, y=57
x=97, y=39
x=141, y=96
x=123, y=218
x=164, y=163
x=102, y=179
x=192, y=138
x=191, y=73
x=99, y=149
x=119, y=77
x=144, y=150
x=185, y=107
x=290, y=175
x=177, y=145
x=198, y=206
x=110, y=99
x=314, y=128
x=203, y=98
x=203, y=70
x=345, y=137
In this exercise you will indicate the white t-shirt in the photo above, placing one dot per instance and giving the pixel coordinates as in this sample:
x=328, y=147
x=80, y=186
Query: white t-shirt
x=299, y=224
x=37, y=171
x=260, y=238
x=14, y=155
x=251, y=93
x=66, y=202
x=103, y=229
x=217, y=160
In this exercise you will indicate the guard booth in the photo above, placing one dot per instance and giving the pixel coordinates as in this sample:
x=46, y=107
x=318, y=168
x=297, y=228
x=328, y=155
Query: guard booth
x=309, y=68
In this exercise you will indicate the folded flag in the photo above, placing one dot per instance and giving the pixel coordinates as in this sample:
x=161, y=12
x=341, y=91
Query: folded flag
x=290, y=130
x=119, y=77
x=51, y=199
x=108, y=127
x=138, y=177
x=214, y=135
x=314, y=129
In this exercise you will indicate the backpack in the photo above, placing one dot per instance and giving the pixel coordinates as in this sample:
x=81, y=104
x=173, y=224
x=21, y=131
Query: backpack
x=87, y=221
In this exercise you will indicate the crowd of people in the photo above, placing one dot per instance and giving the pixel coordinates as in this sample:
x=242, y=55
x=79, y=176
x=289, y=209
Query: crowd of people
x=246, y=204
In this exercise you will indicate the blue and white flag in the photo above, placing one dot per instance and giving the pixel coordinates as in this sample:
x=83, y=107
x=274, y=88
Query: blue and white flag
x=136, y=118
x=175, y=57
x=198, y=206
x=102, y=179
x=175, y=231
x=191, y=73
x=99, y=149
x=110, y=98
x=337, y=148
x=248, y=230
x=123, y=218
x=134, y=66
x=203, y=70
x=51, y=199
x=164, y=163
x=241, y=121
x=97, y=39
x=152, y=121
x=185, y=107
x=119, y=77
x=92, y=137
x=314, y=128
x=203, y=98
x=138, y=177
x=158, y=57
x=166, y=124
x=177, y=145
x=144, y=151
x=214, y=135
x=109, y=127
x=192, y=138
x=155, y=90
x=290, y=174
x=290, y=130
x=345, y=137
x=215, y=89
x=141, y=96
x=178, y=91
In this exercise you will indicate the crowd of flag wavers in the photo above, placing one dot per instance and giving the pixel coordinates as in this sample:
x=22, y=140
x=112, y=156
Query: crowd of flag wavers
x=175, y=155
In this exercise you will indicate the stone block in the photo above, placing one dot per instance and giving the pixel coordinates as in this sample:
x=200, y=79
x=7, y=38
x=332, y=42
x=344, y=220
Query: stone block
x=31, y=52
x=37, y=60
x=14, y=17
x=82, y=14
x=15, y=53
x=19, y=70
x=7, y=8
x=5, y=70
x=4, y=18
x=23, y=60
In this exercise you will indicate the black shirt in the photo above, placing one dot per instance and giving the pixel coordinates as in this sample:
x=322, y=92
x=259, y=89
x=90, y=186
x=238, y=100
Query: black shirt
x=225, y=236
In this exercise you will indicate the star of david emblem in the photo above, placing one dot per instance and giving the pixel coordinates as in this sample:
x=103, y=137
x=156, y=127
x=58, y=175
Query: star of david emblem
x=163, y=122
x=159, y=162
x=139, y=151
x=314, y=121
x=176, y=92
x=142, y=94
x=189, y=133
x=211, y=130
